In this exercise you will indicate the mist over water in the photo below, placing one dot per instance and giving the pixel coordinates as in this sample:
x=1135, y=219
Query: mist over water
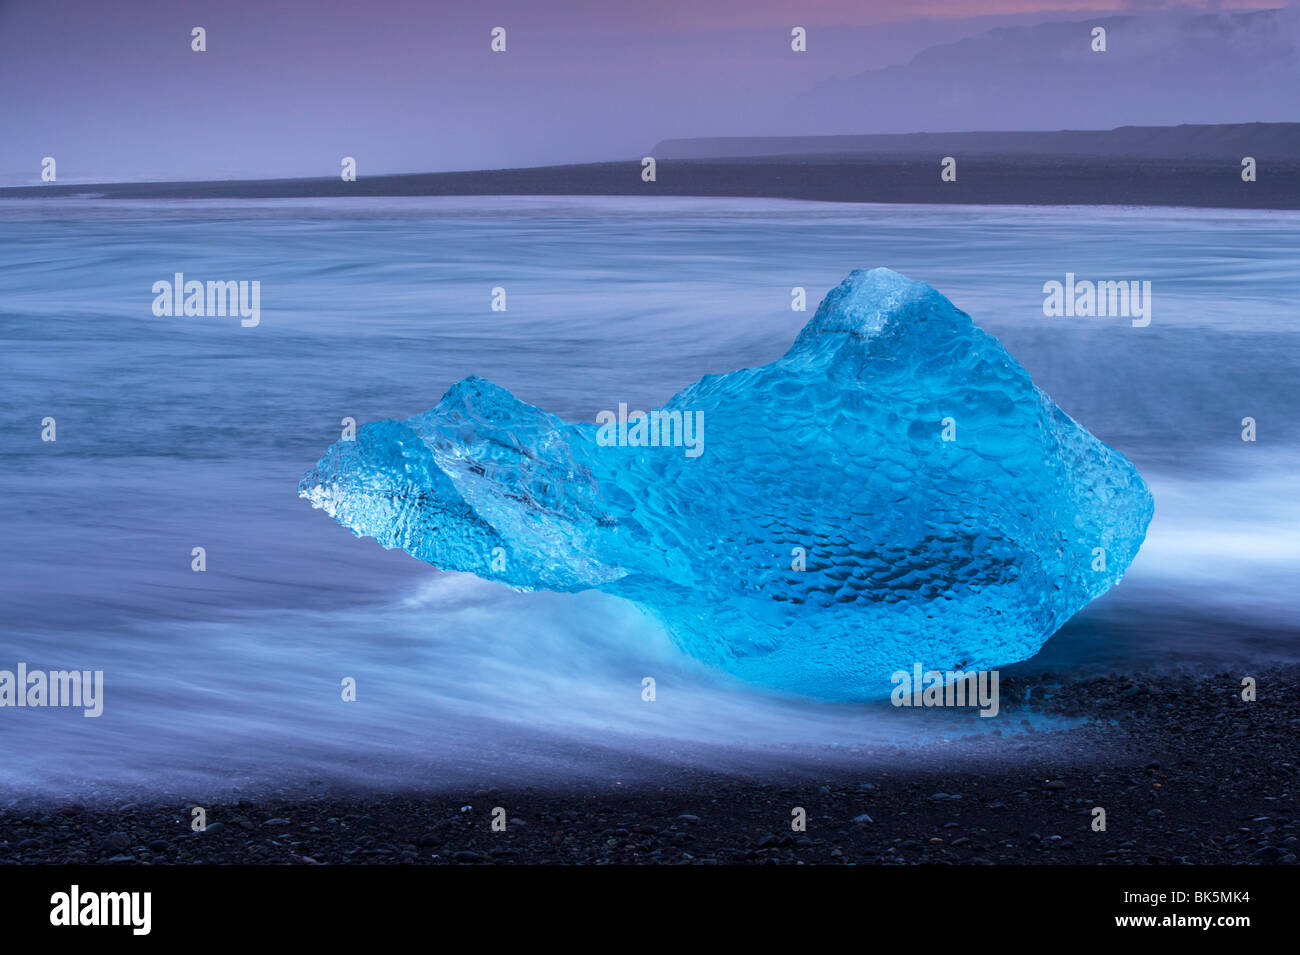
x=183, y=432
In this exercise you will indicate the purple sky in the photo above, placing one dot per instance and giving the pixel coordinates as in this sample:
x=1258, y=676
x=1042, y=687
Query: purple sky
x=113, y=91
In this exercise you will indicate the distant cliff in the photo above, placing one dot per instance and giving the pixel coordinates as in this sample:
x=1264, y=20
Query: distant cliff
x=1231, y=141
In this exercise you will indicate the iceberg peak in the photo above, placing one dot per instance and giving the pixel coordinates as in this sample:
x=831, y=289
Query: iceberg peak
x=869, y=301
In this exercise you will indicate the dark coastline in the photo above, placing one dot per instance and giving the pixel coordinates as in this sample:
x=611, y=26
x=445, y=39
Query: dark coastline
x=1223, y=141
x=982, y=179
x=1186, y=771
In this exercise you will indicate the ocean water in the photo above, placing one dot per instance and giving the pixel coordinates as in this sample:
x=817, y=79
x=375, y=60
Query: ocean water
x=175, y=433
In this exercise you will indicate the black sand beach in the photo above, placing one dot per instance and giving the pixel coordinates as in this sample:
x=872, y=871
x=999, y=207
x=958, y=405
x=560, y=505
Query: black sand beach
x=1186, y=771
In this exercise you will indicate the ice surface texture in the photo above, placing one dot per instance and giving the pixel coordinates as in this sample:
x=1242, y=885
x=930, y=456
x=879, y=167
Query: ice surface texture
x=967, y=552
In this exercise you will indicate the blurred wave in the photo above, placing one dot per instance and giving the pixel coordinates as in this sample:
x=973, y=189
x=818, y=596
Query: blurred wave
x=175, y=433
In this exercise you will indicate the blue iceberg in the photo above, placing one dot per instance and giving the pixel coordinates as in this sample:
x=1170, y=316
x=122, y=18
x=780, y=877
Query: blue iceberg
x=894, y=490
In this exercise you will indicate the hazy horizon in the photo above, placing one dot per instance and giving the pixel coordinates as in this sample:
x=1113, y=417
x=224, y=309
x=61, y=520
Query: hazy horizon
x=117, y=96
